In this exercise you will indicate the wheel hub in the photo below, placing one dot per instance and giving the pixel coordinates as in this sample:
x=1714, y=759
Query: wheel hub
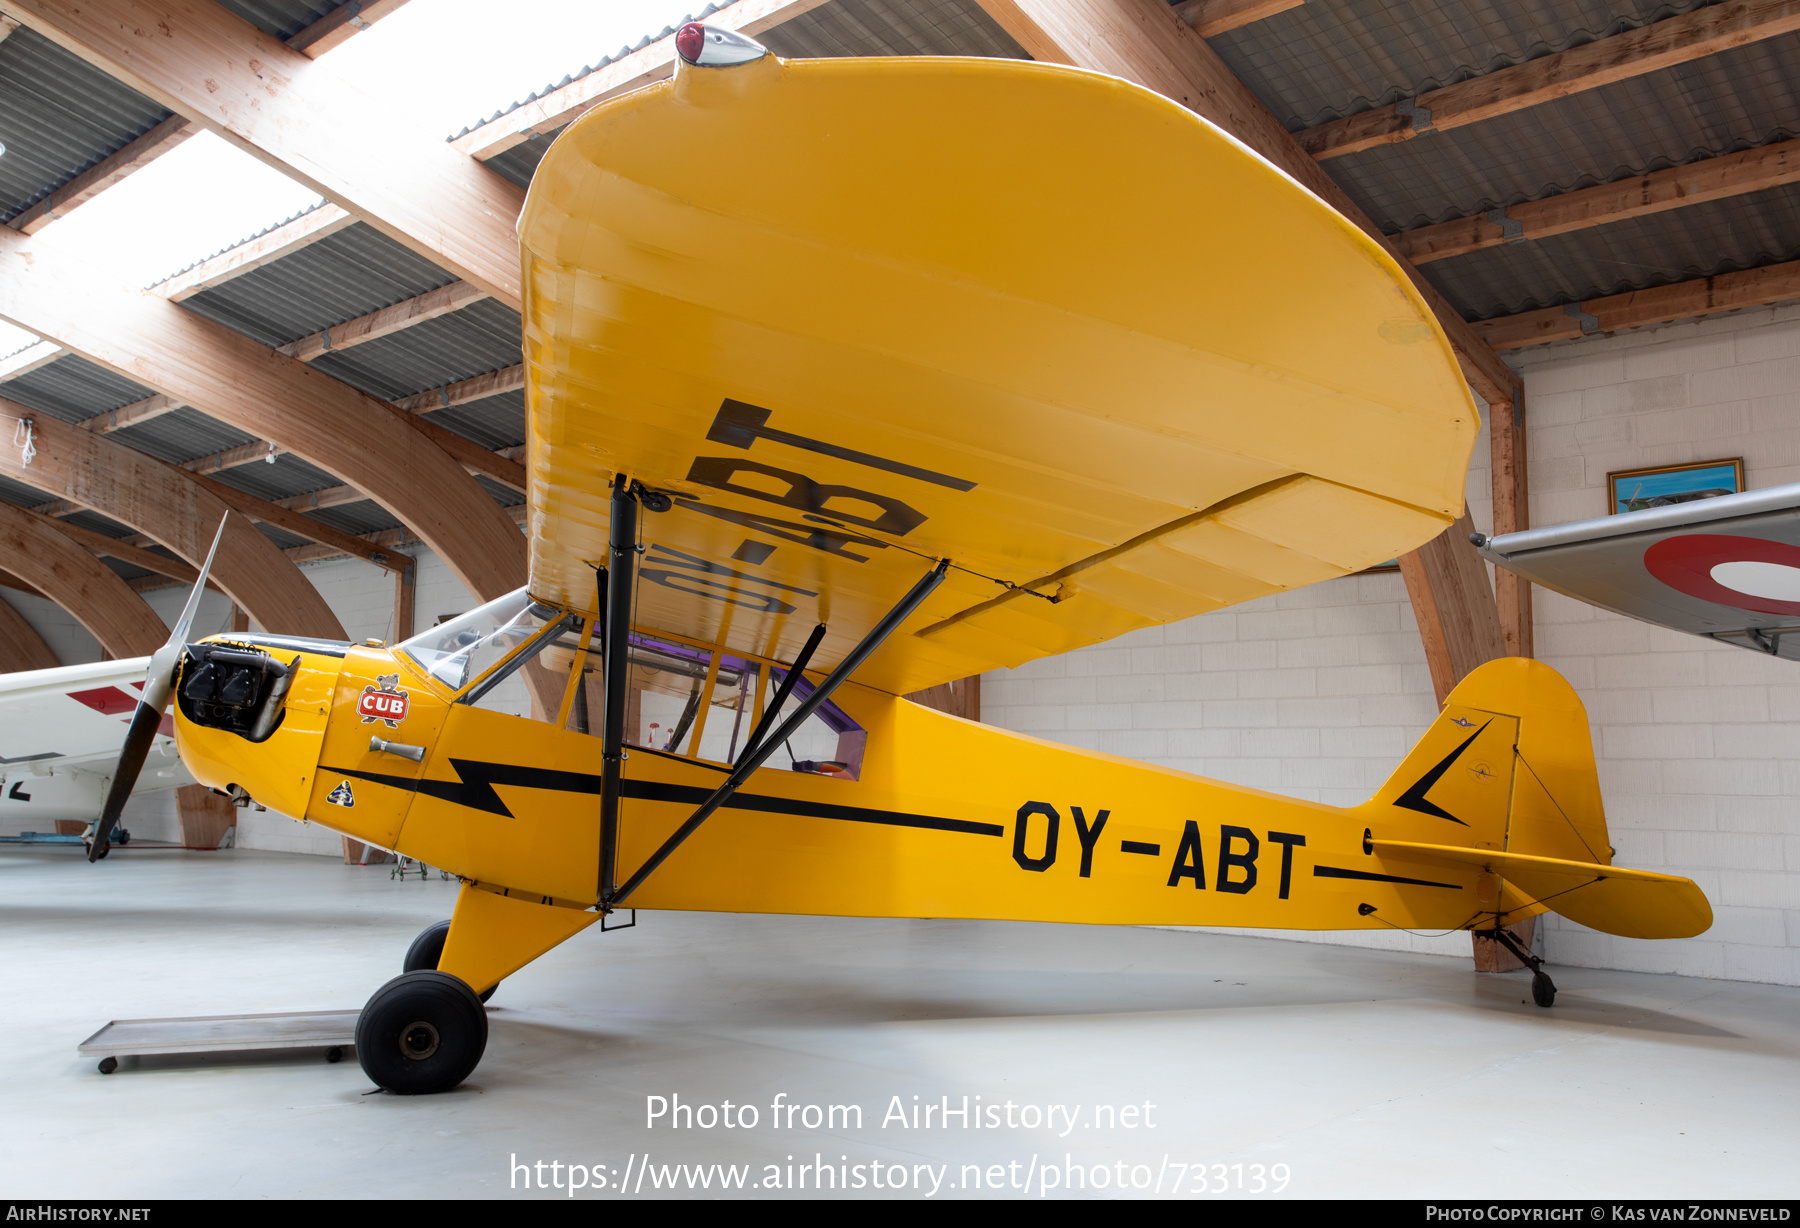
x=418, y=1041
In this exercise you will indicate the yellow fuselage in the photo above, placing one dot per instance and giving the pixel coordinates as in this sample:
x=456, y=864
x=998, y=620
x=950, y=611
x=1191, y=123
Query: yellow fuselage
x=949, y=818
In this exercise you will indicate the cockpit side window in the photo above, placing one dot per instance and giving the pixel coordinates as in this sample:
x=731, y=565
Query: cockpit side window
x=701, y=703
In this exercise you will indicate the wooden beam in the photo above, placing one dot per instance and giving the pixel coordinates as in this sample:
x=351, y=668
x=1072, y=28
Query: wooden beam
x=381, y=540
x=33, y=356
x=128, y=160
x=340, y=25
x=1662, y=44
x=1512, y=514
x=462, y=392
x=265, y=248
x=79, y=583
x=9, y=580
x=198, y=59
x=960, y=698
x=176, y=510
x=1773, y=283
x=642, y=67
x=400, y=460
x=1751, y=170
x=1458, y=623
x=1146, y=42
x=268, y=513
x=21, y=647
x=406, y=586
x=336, y=540
x=231, y=458
x=1211, y=18
x=385, y=322
x=130, y=415
x=204, y=816
x=137, y=556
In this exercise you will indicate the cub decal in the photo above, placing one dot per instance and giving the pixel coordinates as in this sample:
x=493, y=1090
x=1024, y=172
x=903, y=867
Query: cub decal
x=383, y=700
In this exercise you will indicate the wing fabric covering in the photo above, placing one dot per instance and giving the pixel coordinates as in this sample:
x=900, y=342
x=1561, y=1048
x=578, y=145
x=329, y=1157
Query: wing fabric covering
x=856, y=315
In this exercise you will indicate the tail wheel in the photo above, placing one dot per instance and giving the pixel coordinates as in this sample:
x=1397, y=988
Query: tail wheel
x=1543, y=989
x=428, y=948
x=422, y=1032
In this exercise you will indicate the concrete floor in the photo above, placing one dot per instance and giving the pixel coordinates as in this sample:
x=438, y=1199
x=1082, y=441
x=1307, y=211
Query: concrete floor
x=1365, y=1073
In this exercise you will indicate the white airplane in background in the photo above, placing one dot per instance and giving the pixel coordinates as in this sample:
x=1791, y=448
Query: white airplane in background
x=60, y=734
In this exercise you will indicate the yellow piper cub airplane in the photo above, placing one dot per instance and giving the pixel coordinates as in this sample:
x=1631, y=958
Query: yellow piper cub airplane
x=848, y=378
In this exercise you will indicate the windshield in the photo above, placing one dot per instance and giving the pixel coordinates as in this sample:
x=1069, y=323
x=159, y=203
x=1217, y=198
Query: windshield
x=458, y=651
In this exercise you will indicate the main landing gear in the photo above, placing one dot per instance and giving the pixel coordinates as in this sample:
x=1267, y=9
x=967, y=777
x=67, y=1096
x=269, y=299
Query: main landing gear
x=425, y=1030
x=422, y=1032
x=1543, y=989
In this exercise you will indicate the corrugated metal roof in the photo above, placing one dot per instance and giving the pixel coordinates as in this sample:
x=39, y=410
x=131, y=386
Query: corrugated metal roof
x=20, y=494
x=520, y=162
x=365, y=517
x=72, y=388
x=288, y=476
x=282, y=18
x=98, y=523
x=125, y=571
x=1332, y=57
x=340, y=277
x=282, y=538
x=596, y=66
x=892, y=27
x=1329, y=58
x=492, y=422
x=840, y=28
x=1720, y=236
x=482, y=337
x=1725, y=102
x=181, y=435
x=59, y=116
x=505, y=496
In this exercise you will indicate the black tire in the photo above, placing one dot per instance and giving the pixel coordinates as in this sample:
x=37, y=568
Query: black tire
x=1543, y=989
x=422, y=1032
x=428, y=948
x=334, y=1054
x=108, y=1065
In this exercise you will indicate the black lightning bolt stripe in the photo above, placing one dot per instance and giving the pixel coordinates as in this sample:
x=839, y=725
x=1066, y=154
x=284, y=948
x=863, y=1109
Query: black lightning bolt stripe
x=475, y=790
x=1414, y=798
x=1365, y=875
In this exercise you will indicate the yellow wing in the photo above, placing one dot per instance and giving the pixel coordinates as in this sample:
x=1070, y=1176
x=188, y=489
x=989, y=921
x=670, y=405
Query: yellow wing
x=859, y=314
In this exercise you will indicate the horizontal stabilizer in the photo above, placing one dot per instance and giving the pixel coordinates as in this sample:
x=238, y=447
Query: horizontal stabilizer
x=1613, y=900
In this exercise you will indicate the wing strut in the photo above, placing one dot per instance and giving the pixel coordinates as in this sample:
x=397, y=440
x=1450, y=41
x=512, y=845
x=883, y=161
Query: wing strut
x=754, y=759
x=616, y=585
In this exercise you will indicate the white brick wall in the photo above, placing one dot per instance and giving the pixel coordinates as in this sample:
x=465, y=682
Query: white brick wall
x=1318, y=693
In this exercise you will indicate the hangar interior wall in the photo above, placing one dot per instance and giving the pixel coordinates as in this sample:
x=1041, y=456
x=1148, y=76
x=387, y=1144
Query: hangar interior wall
x=1318, y=693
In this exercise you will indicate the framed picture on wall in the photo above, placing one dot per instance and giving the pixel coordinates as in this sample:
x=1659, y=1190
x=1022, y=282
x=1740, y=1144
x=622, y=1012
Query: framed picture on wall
x=1633, y=490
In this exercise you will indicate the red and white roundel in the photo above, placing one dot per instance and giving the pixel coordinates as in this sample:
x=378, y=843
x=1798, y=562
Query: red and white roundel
x=1746, y=573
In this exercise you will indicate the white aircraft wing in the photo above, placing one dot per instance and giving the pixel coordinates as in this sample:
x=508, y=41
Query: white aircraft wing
x=60, y=734
x=1727, y=568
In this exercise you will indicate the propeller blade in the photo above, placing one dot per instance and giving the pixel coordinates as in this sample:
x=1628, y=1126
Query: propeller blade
x=158, y=684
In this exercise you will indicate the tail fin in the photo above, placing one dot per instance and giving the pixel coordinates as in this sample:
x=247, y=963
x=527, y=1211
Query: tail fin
x=1507, y=765
x=1505, y=780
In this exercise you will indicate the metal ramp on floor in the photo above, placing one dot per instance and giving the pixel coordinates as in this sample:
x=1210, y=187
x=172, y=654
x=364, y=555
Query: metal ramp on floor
x=330, y=1031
